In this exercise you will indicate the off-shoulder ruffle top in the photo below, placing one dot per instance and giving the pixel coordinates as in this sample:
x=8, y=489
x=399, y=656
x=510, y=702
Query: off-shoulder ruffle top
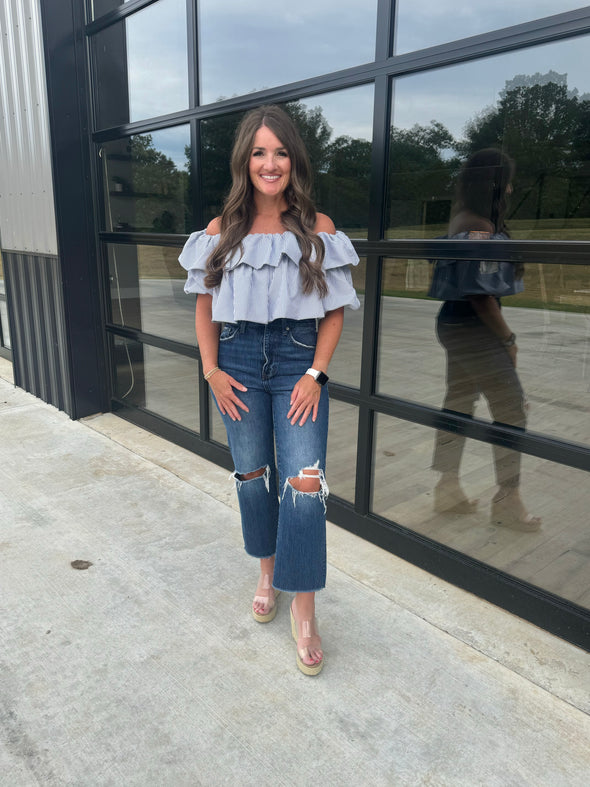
x=263, y=283
x=457, y=280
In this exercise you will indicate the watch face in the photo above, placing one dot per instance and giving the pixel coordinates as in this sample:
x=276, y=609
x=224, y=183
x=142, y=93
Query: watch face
x=322, y=378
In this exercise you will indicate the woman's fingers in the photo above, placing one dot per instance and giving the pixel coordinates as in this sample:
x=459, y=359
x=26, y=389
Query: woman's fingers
x=302, y=411
x=222, y=386
x=236, y=384
x=305, y=399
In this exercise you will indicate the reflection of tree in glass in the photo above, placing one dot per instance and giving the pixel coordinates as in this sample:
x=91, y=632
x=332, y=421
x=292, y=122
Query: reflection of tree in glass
x=421, y=173
x=217, y=139
x=545, y=128
x=341, y=167
x=541, y=124
x=159, y=188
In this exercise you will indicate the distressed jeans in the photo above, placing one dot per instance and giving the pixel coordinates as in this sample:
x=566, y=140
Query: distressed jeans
x=278, y=519
x=477, y=363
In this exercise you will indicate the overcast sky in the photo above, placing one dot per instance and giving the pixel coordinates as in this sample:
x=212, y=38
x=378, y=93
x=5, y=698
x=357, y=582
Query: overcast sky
x=253, y=45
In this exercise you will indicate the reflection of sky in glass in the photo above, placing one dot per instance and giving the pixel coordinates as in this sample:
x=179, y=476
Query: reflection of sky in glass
x=457, y=94
x=422, y=23
x=256, y=45
x=100, y=7
x=348, y=112
x=157, y=60
x=171, y=142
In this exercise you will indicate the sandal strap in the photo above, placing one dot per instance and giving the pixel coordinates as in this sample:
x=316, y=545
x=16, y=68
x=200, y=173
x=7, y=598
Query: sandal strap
x=268, y=600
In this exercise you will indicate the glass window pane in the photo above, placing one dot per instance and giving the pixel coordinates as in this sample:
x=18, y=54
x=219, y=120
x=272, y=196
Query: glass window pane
x=342, y=444
x=217, y=139
x=337, y=129
x=536, y=114
x=147, y=292
x=100, y=7
x=338, y=141
x=410, y=362
x=147, y=182
x=345, y=366
x=554, y=558
x=142, y=65
x=251, y=46
x=422, y=23
x=216, y=425
x=157, y=380
x=551, y=320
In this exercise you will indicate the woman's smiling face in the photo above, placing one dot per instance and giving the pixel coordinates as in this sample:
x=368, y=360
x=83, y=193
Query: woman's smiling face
x=270, y=165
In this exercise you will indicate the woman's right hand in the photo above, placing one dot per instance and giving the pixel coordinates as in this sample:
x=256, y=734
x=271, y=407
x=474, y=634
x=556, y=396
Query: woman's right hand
x=512, y=350
x=222, y=386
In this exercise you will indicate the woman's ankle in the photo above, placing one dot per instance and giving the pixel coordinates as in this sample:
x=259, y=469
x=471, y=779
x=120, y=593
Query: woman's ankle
x=304, y=606
x=267, y=566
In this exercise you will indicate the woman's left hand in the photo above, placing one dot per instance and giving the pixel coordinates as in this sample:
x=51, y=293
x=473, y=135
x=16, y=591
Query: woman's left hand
x=305, y=399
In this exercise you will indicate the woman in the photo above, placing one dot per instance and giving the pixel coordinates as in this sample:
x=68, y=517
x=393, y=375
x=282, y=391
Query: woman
x=480, y=346
x=276, y=274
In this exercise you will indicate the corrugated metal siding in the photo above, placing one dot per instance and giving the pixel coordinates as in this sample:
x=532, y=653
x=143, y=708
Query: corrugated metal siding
x=37, y=327
x=27, y=215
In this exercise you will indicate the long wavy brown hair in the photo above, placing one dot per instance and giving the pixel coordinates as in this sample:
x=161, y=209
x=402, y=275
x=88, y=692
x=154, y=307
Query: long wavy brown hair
x=239, y=210
x=482, y=188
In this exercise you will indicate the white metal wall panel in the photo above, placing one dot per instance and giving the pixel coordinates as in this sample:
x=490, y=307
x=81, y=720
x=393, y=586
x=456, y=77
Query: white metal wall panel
x=27, y=214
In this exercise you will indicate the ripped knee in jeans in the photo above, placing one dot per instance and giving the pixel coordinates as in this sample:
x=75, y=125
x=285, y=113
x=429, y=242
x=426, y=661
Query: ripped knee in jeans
x=310, y=481
x=241, y=478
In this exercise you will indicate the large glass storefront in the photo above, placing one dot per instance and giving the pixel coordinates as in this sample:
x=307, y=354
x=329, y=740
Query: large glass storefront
x=391, y=99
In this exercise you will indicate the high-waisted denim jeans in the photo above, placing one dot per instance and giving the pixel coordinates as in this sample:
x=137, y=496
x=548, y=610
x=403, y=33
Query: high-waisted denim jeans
x=477, y=363
x=277, y=519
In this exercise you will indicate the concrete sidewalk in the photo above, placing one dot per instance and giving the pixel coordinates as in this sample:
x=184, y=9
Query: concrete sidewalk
x=147, y=668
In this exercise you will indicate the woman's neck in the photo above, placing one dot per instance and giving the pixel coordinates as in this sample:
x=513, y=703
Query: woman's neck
x=268, y=214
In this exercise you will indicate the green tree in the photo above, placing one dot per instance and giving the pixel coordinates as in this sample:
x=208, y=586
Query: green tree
x=151, y=193
x=545, y=128
x=421, y=168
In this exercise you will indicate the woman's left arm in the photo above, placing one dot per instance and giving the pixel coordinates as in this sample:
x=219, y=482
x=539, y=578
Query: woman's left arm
x=305, y=396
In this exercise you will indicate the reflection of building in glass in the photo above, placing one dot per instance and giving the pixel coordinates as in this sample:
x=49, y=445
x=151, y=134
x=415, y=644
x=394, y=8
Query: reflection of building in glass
x=134, y=143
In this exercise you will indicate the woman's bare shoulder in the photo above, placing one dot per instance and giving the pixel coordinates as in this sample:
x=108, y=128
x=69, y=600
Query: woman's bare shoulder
x=467, y=221
x=324, y=223
x=214, y=226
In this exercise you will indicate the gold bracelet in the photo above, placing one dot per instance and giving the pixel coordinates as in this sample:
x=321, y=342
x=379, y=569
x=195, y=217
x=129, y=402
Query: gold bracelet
x=212, y=372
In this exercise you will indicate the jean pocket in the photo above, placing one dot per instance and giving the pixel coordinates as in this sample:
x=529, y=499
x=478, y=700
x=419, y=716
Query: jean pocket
x=304, y=336
x=228, y=331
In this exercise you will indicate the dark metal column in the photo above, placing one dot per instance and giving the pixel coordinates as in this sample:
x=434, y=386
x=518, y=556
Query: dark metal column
x=68, y=98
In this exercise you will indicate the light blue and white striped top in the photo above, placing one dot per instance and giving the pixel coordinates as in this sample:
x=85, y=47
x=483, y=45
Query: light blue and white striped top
x=263, y=283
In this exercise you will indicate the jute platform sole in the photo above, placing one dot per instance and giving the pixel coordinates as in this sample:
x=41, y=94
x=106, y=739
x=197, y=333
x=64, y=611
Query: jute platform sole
x=501, y=516
x=307, y=669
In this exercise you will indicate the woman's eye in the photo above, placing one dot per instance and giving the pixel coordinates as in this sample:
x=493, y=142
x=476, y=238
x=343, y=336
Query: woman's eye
x=283, y=154
x=256, y=153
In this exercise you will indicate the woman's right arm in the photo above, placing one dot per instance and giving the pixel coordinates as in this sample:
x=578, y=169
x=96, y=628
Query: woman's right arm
x=222, y=385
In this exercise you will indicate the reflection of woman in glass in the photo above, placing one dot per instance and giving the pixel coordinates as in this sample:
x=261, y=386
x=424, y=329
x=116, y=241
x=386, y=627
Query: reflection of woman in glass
x=480, y=347
x=276, y=273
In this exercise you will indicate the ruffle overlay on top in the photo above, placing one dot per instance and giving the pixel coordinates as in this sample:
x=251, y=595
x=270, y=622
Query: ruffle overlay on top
x=263, y=283
x=457, y=280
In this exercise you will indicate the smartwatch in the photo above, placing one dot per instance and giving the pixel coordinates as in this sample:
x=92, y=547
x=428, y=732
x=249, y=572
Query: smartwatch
x=318, y=376
x=510, y=341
